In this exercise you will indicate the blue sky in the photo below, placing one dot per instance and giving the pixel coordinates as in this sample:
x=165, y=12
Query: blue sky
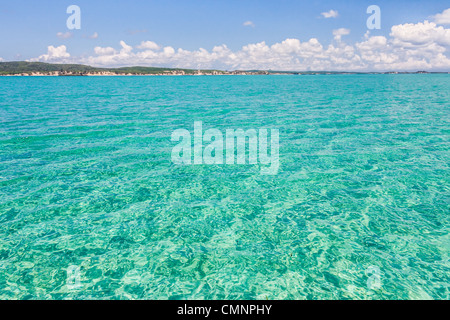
x=28, y=28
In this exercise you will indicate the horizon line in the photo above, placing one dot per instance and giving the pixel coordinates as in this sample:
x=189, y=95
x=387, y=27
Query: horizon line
x=222, y=70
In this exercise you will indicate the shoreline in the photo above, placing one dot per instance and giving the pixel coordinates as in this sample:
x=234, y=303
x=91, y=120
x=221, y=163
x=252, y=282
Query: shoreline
x=40, y=69
x=233, y=73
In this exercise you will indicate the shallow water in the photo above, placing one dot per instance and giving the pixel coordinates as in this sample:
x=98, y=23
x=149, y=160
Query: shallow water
x=358, y=210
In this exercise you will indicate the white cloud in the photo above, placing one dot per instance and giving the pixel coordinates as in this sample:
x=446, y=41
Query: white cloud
x=104, y=51
x=330, y=14
x=248, y=24
x=66, y=35
x=422, y=33
x=125, y=48
x=169, y=51
x=150, y=45
x=373, y=43
x=58, y=54
x=1, y=59
x=94, y=36
x=443, y=18
x=339, y=33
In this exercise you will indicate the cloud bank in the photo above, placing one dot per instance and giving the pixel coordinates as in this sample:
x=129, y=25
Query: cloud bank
x=409, y=47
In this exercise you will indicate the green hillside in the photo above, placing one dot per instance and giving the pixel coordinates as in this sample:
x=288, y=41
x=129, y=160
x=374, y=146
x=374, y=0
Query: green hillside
x=19, y=67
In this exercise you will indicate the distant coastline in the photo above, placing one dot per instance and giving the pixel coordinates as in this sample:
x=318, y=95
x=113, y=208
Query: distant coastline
x=23, y=68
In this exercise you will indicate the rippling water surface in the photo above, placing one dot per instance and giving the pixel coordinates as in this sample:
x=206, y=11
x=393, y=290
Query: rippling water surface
x=358, y=210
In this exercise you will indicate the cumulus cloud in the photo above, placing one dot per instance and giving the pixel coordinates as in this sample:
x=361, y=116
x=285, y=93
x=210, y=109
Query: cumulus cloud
x=338, y=33
x=409, y=47
x=443, y=18
x=94, y=36
x=66, y=35
x=330, y=14
x=104, y=51
x=1, y=59
x=248, y=24
x=422, y=33
x=125, y=48
x=54, y=54
x=150, y=45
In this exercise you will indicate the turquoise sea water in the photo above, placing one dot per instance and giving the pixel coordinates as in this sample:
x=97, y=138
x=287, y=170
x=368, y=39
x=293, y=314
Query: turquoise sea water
x=358, y=210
